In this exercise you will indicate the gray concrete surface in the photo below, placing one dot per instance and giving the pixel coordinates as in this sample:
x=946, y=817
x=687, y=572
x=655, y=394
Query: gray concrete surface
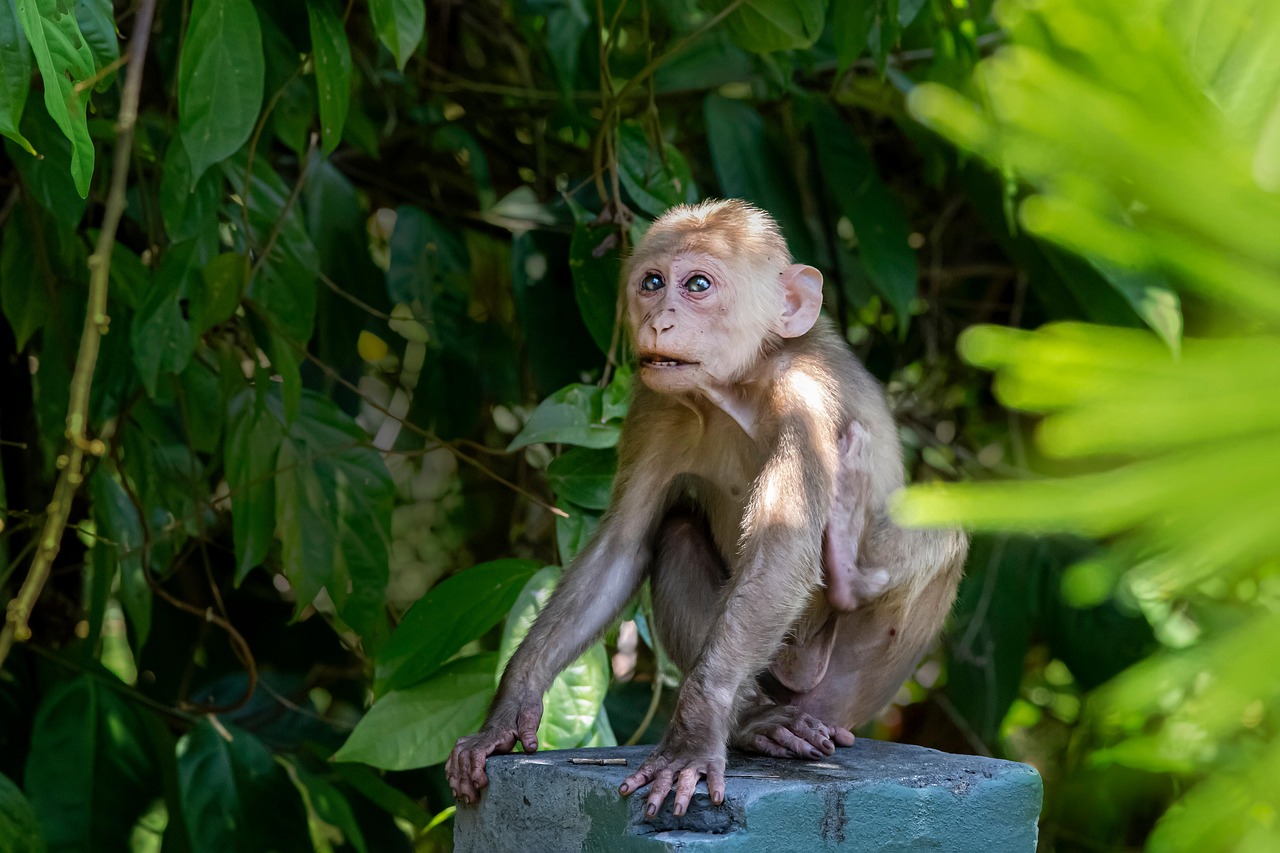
x=873, y=796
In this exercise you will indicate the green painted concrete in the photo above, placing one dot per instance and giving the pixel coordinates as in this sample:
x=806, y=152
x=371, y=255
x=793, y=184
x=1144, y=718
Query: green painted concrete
x=873, y=796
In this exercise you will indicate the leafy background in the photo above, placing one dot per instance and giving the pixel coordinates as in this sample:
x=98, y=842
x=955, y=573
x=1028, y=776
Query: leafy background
x=311, y=383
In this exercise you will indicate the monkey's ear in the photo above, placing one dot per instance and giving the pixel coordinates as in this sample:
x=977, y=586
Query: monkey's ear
x=802, y=288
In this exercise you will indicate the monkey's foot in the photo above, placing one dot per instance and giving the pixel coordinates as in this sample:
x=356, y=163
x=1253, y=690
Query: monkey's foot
x=679, y=767
x=784, y=731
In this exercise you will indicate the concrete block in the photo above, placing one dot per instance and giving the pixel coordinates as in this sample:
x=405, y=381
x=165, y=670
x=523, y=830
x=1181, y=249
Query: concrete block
x=873, y=796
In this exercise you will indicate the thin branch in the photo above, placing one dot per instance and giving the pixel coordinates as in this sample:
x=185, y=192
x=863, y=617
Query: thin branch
x=95, y=326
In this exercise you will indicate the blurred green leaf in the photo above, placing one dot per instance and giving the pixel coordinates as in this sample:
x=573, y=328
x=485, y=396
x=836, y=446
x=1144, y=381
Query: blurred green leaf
x=234, y=795
x=333, y=70
x=597, y=267
x=427, y=256
x=96, y=19
x=573, y=532
x=162, y=334
x=851, y=22
x=220, y=81
x=572, y=415
x=222, y=277
x=187, y=204
x=253, y=443
x=572, y=704
x=418, y=726
x=19, y=829
x=400, y=25
x=123, y=541
x=764, y=26
x=329, y=814
x=453, y=613
x=85, y=725
x=65, y=61
x=49, y=175
x=655, y=180
x=25, y=298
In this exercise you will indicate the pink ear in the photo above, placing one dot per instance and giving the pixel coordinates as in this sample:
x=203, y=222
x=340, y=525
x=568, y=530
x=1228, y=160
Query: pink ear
x=802, y=299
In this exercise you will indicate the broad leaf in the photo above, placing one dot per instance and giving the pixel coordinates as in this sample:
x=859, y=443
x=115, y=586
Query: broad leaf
x=26, y=299
x=851, y=22
x=400, y=25
x=186, y=204
x=572, y=415
x=65, y=61
x=1152, y=299
x=15, y=76
x=234, y=795
x=584, y=476
x=573, y=532
x=220, y=80
x=97, y=22
x=655, y=180
x=84, y=725
x=19, y=829
x=878, y=221
x=333, y=516
x=449, y=616
x=573, y=703
x=122, y=541
x=49, y=176
x=332, y=57
x=329, y=814
x=597, y=266
x=253, y=443
x=764, y=26
x=417, y=727
x=223, y=279
x=162, y=334
x=426, y=256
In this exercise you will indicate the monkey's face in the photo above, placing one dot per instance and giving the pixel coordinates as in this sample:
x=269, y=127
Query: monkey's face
x=692, y=321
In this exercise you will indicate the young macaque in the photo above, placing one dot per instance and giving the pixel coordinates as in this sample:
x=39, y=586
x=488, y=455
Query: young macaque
x=754, y=469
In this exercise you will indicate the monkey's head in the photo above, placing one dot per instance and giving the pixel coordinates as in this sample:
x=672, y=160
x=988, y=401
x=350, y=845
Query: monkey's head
x=710, y=288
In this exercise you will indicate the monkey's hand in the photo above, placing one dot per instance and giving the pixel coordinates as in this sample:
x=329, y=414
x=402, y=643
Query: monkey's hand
x=784, y=731
x=465, y=767
x=681, y=762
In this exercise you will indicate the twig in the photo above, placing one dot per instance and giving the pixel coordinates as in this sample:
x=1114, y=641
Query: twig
x=95, y=326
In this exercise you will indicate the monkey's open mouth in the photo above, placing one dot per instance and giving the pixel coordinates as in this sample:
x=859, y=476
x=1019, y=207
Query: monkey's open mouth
x=663, y=361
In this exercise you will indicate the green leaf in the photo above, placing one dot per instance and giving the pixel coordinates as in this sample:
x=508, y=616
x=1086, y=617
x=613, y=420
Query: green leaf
x=122, y=540
x=1152, y=299
x=65, y=61
x=851, y=22
x=584, y=476
x=426, y=256
x=253, y=443
x=234, y=795
x=877, y=217
x=390, y=799
x=85, y=725
x=97, y=22
x=25, y=298
x=400, y=25
x=333, y=516
x=223, y=278
x=329, y=815
x=764, y=26
x=572, y=415
x=417, y=727
x=162, y=335
x=449, y=616
x=567, y=22
x=749, y=165
x=596, y=265
x=15, y=76
x=332, y=57
x=49, y=176
x=573, y=533
x=186, y=204
x=654, y=180
x=220, y=81
x=19, y=829
x=573, y=703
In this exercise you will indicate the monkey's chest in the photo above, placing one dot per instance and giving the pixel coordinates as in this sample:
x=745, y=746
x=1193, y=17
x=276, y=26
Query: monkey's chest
x=718, y=479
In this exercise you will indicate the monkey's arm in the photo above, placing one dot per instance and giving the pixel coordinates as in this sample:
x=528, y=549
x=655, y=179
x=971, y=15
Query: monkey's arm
x=592, y=591
x=776, y=575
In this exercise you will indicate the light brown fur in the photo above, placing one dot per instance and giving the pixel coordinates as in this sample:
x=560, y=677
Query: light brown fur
x=754, y=471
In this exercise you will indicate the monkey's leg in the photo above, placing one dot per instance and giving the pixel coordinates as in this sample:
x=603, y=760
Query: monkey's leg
x=686, y=580
x=848, y=583
x=881, y=642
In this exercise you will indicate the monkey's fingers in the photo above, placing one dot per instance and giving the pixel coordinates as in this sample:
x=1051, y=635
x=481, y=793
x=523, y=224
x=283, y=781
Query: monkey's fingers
x=658, y=791
x=527, y=726
x=688, y=780
x=638, y=780
x=841, y=735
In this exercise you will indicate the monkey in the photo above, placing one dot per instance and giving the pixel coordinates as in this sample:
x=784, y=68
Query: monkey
x=755, y=466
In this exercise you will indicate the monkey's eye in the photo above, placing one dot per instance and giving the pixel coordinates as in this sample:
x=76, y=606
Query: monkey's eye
x=697, y=283
x=652, y=282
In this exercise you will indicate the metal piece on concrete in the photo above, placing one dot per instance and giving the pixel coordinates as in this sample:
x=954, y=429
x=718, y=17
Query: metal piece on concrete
x=873, y=796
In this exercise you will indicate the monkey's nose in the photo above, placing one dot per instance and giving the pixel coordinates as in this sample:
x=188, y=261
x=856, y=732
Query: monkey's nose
x=661, y=324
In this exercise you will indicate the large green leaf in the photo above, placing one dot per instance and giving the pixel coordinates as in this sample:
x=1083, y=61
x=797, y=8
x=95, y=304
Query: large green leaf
x=574, y=529
x=97, y=22
x=19, y=829
x=417, y=727
x=655, y=180
x=118, y=523
x=329, y=814
x=750, y=165
x=571, y=706
x=427, y=255
x=48, y=177
x=449, y=616
x=65, y=61
x=400, y=25
x=26, y=299
x=764, y=26
x=91, y=772
x=596, y=263
x=253, y=443
x=877, y=217
x=851, y=23
x=187, y=204
x=15, y=75
x=234, y=795
x=584, y=476
x=162, y=334
x=332, y=57
x=572, y=415
x=333, y=516
x=220, y=80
